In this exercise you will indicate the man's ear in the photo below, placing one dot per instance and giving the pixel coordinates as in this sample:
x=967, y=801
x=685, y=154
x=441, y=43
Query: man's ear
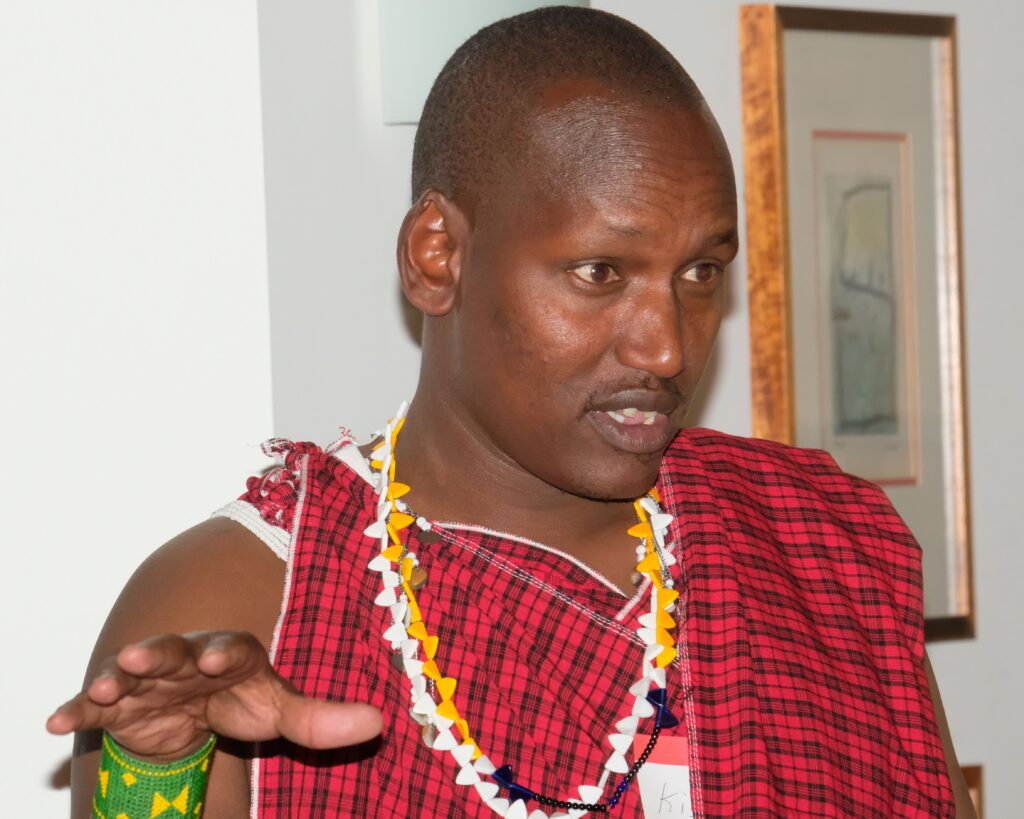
x=431, y=246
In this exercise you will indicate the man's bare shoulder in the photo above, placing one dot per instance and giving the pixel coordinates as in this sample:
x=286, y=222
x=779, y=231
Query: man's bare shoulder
x=217, y=575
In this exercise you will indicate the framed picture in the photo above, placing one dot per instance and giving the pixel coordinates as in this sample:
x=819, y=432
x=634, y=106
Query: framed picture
x=854, y=272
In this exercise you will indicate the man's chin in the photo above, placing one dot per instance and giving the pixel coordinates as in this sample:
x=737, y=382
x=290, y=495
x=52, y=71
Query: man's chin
x=616, y=484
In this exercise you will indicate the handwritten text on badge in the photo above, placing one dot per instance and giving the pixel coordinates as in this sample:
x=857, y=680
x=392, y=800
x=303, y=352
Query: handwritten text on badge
x=664, y=780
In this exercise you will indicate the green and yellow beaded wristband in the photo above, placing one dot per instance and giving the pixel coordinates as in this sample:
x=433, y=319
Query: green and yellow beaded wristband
x=129, y=788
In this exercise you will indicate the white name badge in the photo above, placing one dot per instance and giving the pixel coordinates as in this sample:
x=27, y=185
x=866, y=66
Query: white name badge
x=664, y=780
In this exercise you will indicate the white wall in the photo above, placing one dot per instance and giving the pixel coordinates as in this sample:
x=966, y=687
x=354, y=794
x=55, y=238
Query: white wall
x=337, y=189
x=337, y=182
x=134, y=330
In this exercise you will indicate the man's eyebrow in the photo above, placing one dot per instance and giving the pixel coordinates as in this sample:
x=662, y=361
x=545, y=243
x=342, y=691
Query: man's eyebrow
x=726, y=237
x=626, y=229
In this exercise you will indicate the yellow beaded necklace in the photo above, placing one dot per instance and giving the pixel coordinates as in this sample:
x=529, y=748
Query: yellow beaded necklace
x=408, y=634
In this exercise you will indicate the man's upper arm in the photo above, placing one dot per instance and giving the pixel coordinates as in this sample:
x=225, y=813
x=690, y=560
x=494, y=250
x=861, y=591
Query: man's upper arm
x=215, y=576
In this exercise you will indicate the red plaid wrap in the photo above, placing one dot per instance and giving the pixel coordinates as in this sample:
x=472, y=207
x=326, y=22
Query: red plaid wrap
x=800, y=671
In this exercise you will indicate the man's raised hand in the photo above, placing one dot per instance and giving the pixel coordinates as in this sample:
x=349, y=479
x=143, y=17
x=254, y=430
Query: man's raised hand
x=161, y=698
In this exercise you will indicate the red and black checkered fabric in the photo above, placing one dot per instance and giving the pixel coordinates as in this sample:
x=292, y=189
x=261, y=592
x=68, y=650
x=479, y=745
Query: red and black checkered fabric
x=800, y=670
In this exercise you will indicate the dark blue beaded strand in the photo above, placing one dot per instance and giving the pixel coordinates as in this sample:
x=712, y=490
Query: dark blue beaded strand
x=663, y=719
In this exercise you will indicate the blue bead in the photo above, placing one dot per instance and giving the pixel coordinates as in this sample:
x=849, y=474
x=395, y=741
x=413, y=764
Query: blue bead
x=666, y=719
x=519, y=792
x=503, y=776
x=657, y=697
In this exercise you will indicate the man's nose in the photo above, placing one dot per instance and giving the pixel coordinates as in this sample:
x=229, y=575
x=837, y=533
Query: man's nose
x=651, y=334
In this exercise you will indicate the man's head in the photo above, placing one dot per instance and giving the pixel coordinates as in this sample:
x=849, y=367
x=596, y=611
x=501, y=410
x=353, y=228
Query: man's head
x=474, y=123
x=575, y=209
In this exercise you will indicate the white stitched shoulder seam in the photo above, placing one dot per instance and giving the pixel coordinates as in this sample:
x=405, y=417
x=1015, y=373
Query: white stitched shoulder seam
x=277, y=539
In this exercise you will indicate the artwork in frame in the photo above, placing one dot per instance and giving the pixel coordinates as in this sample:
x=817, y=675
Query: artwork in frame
x=868, y=394
x=854, y=274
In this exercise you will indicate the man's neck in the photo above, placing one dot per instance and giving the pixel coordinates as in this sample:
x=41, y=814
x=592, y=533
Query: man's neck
x=457, y=475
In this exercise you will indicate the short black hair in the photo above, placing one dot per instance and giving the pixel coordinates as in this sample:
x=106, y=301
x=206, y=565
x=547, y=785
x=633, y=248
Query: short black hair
x=472, y=120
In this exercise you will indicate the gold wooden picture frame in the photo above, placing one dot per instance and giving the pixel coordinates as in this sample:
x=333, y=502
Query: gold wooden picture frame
x=973, y=775
x=854, y=267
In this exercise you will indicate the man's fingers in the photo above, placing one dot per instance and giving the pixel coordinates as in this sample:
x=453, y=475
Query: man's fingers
x=78, y=714
x=214, y=653
x=82, y=712
x=111, y=684
x=62, y=721
x=229, y=653
x=324, y=725
x=155, y=657
x=134, y=668
x=158, y=693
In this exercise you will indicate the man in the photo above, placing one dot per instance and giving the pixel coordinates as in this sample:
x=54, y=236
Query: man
x=574, y=212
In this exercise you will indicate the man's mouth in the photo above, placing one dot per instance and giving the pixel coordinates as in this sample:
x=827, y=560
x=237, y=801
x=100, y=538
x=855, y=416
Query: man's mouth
x=641, y=432
x=639, y=421
x=633, y=417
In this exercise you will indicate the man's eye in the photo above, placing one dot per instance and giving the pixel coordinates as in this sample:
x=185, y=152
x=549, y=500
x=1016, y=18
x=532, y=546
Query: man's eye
x=595, y=273
x=703, y=273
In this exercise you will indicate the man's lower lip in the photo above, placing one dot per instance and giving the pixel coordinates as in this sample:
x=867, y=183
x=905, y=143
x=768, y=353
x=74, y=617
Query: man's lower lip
x=639, y=439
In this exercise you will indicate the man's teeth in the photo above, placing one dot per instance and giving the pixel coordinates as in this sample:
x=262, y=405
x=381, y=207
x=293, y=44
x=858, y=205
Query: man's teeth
x=634, y=417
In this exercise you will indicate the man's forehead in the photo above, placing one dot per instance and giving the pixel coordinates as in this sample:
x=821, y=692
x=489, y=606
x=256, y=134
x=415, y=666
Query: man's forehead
x=605, y=142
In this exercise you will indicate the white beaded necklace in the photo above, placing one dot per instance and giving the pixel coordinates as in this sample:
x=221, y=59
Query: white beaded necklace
x=407, y=634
